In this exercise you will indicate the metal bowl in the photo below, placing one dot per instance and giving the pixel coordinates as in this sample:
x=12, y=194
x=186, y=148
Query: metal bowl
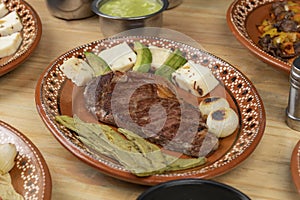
x=174, y=3
x=111, y=25
x=70, y=9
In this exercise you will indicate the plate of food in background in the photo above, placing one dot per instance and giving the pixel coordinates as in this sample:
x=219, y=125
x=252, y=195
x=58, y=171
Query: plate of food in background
x=268, y=28
x=295, y=166
x=20, y=32
x=147, y=110
x=23, y=170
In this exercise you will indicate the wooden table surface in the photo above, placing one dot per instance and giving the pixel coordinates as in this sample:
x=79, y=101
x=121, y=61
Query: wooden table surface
x=264, y=175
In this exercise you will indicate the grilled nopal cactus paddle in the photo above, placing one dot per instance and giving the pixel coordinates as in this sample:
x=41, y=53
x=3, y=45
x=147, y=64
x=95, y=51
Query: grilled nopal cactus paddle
x=136, y=154
x=144, y=58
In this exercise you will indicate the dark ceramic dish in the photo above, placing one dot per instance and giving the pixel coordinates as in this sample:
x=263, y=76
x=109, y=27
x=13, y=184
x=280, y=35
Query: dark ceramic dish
x=192, y=189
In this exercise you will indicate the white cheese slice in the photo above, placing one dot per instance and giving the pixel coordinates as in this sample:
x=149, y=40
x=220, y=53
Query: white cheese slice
x=195, y=79
x=10, y=23
x=3, y=10
x=159, y=56
x=10, y=44
x=120, y=57
x=77, y=70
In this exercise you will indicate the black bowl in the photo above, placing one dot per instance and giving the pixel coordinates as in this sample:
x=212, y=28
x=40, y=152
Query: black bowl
x=192, y=189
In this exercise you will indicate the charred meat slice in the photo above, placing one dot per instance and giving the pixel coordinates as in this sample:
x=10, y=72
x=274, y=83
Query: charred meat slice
x=148, y=105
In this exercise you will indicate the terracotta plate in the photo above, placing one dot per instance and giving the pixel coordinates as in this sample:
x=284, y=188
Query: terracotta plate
x=30, y=175
x=54, y=96
x=31, y=33
x=295, y=166
x=242, y=17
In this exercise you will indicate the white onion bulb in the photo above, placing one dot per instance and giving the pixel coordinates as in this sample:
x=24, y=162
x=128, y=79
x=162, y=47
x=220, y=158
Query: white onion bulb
x=212, y=103
x=222, y=122
x=8, y=154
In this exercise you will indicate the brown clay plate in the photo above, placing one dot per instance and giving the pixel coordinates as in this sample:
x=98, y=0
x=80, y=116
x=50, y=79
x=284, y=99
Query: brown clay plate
x=55, y=94
x=31, y=33
x=295, y=166
x=242, y=17
x=30, y=175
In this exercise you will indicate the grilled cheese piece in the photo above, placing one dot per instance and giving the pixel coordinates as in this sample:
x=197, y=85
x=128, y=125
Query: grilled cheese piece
x=120, y=57
x=10, y=23
x=195, y=79
x=77, y=70
x=10, y=44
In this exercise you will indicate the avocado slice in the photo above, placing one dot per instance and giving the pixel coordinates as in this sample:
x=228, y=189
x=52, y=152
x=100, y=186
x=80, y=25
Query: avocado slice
x=144, y=58
x=99, y=65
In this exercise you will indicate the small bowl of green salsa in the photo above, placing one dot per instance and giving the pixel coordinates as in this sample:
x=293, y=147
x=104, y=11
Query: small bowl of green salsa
x=116, y=16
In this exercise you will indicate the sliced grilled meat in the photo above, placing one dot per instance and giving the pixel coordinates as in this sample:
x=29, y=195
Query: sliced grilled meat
x=148, y=105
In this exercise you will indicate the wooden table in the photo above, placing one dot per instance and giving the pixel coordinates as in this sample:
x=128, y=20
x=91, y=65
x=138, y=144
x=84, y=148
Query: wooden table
x=264, y=175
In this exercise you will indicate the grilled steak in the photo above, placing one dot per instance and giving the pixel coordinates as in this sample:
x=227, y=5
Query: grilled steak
x=148, y=105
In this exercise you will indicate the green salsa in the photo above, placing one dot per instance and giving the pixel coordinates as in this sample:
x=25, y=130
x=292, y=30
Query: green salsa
x=130, y=8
